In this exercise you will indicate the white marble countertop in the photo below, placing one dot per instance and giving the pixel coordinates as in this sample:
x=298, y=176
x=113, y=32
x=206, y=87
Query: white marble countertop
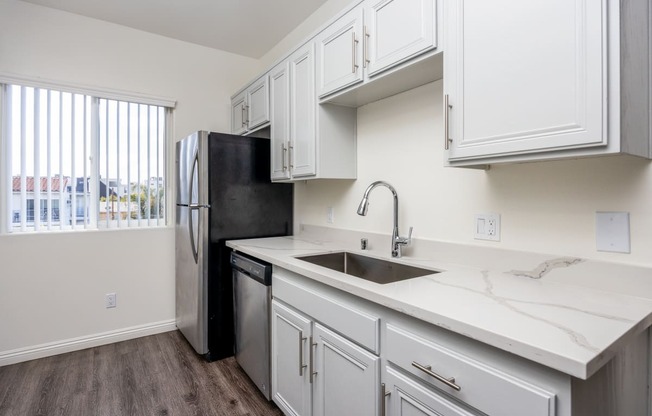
x=566, y=313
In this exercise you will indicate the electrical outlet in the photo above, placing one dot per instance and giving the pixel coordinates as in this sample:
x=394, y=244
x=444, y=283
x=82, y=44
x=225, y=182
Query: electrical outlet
x=330, y=215
x=487, y=227
x=111, y=300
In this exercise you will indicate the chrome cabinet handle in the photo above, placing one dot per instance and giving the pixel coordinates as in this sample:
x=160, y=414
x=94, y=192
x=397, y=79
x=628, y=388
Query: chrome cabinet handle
x=450, y=382
x=365, y=48
x=290, y=154
x=284, y=151
x=242, y=115
x=302, y=339
x=247, y=114
x=447, y=107
x=354, y=48
x=383, y=394
x=313, y=373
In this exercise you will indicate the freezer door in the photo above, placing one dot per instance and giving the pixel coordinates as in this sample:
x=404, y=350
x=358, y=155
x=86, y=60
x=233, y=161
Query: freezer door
x=191, y=244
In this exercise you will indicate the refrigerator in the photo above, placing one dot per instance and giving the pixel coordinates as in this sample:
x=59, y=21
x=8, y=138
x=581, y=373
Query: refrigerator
x=223, y=192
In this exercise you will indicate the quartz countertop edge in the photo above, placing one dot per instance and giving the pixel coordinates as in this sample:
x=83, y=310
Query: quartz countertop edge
x=536, y=306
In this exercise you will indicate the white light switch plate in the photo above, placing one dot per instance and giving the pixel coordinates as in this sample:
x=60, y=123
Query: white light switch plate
x=612, y=232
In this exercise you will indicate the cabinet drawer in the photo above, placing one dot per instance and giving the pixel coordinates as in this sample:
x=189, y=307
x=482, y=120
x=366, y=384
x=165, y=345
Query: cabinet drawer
x=358, y=326
x=482, y=387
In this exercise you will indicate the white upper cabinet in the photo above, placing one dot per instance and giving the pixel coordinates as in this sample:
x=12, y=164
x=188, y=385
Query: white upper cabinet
x=544, y=79
x=279, y=92
x=303, y=103
x=238, y=108
x=250, y=107
x=371, y=38
x=396, y=30
x=258, y=103
x=308, y=140
x=340, y=53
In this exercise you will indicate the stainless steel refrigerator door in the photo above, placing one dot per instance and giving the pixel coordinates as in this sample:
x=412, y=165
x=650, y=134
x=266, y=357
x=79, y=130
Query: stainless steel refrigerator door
x=191, y=243
x=252, y=338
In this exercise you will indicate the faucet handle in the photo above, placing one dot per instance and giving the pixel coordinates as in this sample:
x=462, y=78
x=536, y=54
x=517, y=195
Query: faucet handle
x=409, y=239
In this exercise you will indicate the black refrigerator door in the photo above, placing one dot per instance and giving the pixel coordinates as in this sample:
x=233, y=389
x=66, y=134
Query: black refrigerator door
x=243, y=204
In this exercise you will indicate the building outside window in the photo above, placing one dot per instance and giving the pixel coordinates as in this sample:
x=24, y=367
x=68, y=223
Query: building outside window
x=78, y=161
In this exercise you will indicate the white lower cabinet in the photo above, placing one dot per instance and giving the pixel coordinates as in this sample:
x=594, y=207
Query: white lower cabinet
x=405, y=397
x=466, y=379
x=318, y=372
x=290, y=378
x=346, y=377
x=336, y=354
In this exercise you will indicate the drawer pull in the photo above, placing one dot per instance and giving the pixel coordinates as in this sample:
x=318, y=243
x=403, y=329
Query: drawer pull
x=450, y=382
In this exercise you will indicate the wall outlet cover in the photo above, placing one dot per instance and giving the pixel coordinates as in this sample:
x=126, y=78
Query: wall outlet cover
x=111, y=300
x=487, y=227
x=612, y=231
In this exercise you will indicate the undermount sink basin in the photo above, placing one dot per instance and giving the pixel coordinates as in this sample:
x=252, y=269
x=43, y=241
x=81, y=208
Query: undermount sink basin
x=368, y=268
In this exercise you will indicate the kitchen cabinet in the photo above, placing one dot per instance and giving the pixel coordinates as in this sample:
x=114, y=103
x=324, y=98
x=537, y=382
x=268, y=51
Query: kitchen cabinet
x=250, y=107
x=318, y=372
x=397, y=30
x=279, y=91
x=471, y=382
x=405, y=397
x=308, y=140
x=371, y=38
x=291, y=389
x=519, y=88
x=398, y=364
x=340, y=55
x=238, y=117
x=302, y=143
x=346, y=376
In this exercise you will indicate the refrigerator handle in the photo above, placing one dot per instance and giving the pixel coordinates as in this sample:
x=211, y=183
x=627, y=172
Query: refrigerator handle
x=192, y=206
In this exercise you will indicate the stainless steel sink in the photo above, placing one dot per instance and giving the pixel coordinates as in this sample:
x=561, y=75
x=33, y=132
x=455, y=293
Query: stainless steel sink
x=368, y=268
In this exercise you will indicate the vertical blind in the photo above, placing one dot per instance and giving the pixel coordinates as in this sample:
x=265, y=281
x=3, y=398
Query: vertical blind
x=77, y=161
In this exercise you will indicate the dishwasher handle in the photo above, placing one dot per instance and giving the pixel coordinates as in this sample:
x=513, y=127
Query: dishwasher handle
x=256, y=269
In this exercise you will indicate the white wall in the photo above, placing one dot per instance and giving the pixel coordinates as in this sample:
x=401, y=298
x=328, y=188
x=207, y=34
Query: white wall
x=322, y=15
x=52, y=287
x=546, y=206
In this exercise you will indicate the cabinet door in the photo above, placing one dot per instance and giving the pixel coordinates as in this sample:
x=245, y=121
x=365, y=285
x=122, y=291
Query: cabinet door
x=279, y=88
x=347, y=380
x=407, y=398
x=303, y=105
x=396, y=30
x=340, y=53
x=525, y=76
x=257, y=108
x=290, y=384
x=238, y=108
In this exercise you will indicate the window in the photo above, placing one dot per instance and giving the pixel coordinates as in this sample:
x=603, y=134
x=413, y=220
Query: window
x=78, y=161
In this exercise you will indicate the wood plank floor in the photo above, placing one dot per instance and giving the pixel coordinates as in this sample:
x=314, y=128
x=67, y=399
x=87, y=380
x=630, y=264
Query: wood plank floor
x=156, y=375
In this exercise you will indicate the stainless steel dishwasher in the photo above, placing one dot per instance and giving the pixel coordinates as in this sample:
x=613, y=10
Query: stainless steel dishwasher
x=252, y=298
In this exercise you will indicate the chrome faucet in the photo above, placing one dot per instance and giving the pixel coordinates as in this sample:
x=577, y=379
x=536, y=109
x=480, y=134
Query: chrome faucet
x=397, y=241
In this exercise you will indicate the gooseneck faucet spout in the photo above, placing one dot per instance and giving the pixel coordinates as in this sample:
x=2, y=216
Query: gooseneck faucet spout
x=397, y=241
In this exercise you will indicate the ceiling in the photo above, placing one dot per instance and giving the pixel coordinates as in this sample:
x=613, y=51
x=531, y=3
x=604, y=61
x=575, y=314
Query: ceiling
x=245, y=27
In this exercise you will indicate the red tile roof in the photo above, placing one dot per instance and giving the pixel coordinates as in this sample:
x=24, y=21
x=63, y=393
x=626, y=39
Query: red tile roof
x=55, y=183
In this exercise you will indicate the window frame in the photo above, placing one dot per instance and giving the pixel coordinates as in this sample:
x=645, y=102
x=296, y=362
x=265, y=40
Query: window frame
x=96, y=94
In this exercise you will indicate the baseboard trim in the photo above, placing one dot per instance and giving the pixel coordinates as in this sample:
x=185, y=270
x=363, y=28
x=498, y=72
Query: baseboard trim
x=80, y=343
